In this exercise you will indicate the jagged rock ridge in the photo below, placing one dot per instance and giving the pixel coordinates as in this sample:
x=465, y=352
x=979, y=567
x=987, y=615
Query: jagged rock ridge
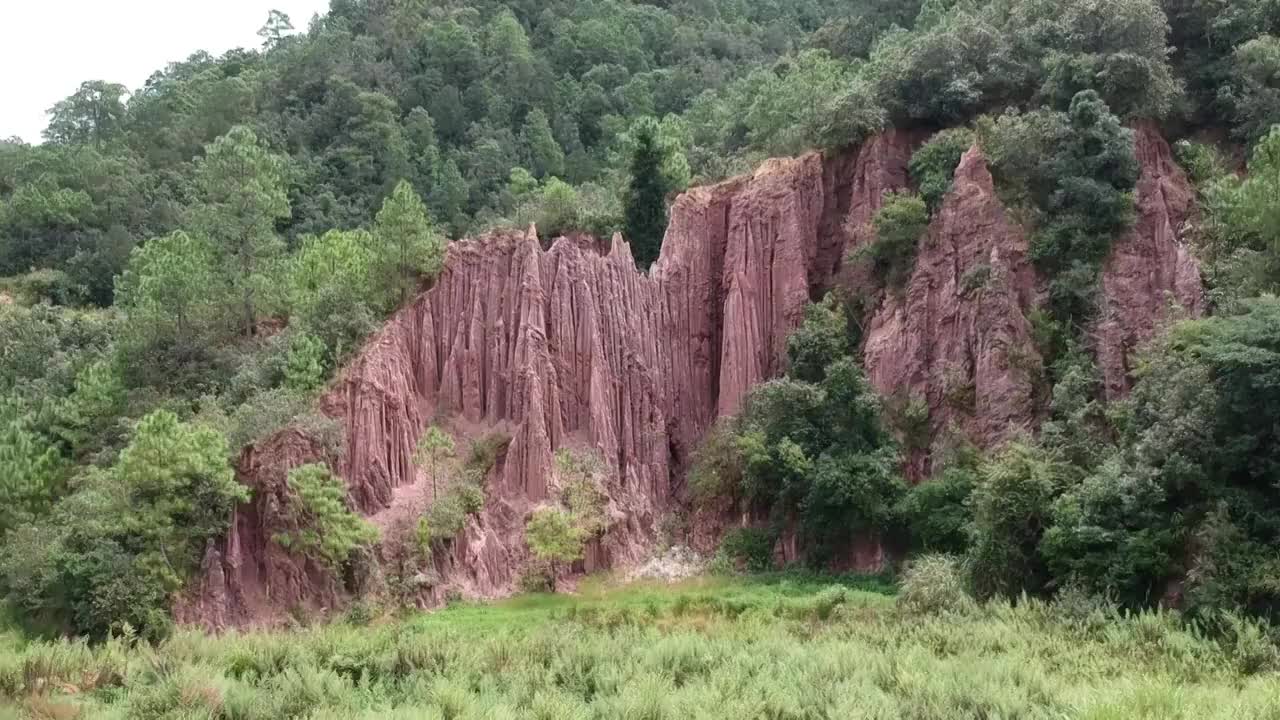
x=956, y=338
x=1151, y=273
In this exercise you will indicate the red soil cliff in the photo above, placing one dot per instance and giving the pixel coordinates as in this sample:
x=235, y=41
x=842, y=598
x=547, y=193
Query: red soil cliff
x=573, y=347
x=1151, y=273
x=956, y=337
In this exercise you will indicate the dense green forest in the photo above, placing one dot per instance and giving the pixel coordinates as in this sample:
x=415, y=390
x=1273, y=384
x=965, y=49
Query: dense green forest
x=187, y=263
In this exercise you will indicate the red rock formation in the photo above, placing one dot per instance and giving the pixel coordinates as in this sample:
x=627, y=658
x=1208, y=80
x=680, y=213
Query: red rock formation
x=1151, y=271
x=956, y=336
x=572, y=346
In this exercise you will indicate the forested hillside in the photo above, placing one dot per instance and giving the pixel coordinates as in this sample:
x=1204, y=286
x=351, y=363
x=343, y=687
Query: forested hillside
x=187, y=265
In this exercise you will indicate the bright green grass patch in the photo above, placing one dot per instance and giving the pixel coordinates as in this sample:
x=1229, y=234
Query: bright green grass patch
x=601, y=595
x=782, y=647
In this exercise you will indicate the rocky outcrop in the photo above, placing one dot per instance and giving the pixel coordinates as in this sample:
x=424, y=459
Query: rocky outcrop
x=568, y=346
x=571, y=346
x=1151, y=274
x=956, y=337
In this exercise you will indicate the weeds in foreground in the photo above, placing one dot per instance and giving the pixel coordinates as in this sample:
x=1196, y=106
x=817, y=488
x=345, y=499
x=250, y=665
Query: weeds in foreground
x=776, y=647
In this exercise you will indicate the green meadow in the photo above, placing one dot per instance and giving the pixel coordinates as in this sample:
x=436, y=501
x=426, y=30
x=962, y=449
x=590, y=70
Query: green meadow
x=777, y=647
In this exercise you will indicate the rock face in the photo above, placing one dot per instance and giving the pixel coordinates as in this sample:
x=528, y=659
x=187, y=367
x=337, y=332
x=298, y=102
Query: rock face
x=1151, y=272
x=571, y=346
x=565, y=347
x=956, y=337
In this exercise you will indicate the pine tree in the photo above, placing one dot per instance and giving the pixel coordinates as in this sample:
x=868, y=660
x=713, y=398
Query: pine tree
x=168, y=289
x=435, y=448
x=242, y=196
x=275, y=29
x=646, y=205
x=407, y=244
x=179, y=481
x=448, y=196
x=546, y=157
x=326, y=528
x=29, y=471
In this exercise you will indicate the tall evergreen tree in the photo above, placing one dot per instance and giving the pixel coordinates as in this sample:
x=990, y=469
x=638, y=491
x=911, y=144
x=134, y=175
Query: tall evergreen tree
x=29, y=470
x=546, y=157
x=407, y=245
x=241, y=189
x=646, y=205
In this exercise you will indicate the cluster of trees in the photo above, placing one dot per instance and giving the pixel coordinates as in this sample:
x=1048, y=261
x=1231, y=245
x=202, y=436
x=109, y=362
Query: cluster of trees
x=809, y=451
x=109, y=552
x=493, y=111
x=219, y=335
x=501, y=112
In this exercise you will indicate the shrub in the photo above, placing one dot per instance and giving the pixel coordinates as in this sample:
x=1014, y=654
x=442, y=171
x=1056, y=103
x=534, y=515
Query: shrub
x=717, y=469
x=935, y=583
x=1203, y=162
x=1011, y=510
x=446, y=517
x=54, y=287
x=1109, y=534
x=1250, y=643
x=936, y=511
x=933, y=165
x=1085, y=608
x=360, y=614
x=899, y=224
x=470, y=498
x=750, y=548
x=537, y=578
x=975, y=278
x=484, y=455
x=821, y=340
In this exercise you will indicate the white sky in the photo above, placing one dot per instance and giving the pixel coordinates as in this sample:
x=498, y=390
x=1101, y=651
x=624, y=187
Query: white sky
x=49, y=47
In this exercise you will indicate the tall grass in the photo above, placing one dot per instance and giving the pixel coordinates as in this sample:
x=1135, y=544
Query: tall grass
x=778, y=648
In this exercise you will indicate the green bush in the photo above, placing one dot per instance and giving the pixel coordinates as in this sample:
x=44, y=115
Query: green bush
x=54, y=287
x=446, y=517
x=1012, y=505
x=899, y=223
x=933, y=165
x=484, y=455
x=935, y=584
x=1203, y=162
x=936, y=512
x=716, y=472
x=750, y=548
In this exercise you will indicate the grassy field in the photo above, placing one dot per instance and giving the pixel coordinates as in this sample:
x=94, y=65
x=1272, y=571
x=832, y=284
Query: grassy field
x=776, y=648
